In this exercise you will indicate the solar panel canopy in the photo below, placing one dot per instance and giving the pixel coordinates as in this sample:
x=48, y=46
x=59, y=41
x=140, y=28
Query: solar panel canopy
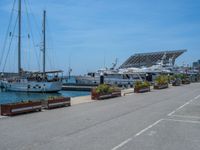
x=149, y=59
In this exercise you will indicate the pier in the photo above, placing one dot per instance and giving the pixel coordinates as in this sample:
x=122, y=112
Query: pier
x=135, y=121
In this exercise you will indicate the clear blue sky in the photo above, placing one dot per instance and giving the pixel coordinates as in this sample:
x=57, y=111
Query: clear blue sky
x=88, y=33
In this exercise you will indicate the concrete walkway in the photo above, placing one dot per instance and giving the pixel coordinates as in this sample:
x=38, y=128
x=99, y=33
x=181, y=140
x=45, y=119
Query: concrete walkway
x=160, y=120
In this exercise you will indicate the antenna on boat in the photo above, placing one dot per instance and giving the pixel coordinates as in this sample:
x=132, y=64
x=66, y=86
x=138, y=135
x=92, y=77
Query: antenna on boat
x=44, y=43
x=19, y=38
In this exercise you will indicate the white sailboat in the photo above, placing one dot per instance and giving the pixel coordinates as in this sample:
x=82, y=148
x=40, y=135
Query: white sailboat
x=33, y=81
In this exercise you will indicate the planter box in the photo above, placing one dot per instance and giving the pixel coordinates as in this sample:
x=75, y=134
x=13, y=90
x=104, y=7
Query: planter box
x=141, y=90
x=158, y=87
x=57, y=102
x=96, y=96
x=20, y=108
x=176, y=83
x=185, y=82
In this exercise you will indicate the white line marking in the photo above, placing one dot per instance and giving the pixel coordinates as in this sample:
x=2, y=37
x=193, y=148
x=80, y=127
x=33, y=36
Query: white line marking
x=170, y=114
x=187, y=103
x=157, y=122
x=194, y=117
x=3, y=117
x=149, y=127
x=186, y=121
x=197, y=97
x=139, y=133
x=122, y=144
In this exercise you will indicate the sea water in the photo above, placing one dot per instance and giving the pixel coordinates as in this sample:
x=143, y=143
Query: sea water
x=11, y=97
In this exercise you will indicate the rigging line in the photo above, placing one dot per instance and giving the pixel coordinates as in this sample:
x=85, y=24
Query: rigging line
x=33, y=41
x=53, y=53
x=34, y=18
x=6, y=36
x=51, y=42
x=10, y=43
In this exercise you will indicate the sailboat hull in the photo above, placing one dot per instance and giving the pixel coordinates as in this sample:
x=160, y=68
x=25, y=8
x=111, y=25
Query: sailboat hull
x=37, y=87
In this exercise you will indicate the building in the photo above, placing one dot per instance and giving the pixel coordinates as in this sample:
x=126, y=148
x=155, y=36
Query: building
x=196, y=65
x=149, y=59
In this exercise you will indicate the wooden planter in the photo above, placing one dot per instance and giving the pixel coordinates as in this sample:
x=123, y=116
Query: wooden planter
x=57, y=102
x=185, y=81
x=159, y=87
x=20, y=108
x=96, y=96
x=141, y=90
x=176, y=83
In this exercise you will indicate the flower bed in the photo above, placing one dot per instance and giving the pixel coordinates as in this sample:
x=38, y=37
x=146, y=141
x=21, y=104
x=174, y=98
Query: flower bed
x=141, y=87
x=56, y=102
x=20, y=108
x=104, y=92
x=161, y=82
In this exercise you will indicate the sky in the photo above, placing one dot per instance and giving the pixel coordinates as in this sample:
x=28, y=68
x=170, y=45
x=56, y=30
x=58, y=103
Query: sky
x=90, y=34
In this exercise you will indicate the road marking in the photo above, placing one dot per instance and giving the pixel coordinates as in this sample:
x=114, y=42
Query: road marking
x=197, y=97
x=185, y=121
x=187, y=103
x=122, y=144
x=139, y=133
x=3, y=117
x=182, y=116
x=157, y=122
x=147, y=128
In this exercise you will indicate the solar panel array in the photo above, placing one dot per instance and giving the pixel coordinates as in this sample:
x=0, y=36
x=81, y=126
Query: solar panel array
x=149, y=59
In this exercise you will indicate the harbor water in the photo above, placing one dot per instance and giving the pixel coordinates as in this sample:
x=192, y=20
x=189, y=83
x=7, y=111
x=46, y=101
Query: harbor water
x=11, y=97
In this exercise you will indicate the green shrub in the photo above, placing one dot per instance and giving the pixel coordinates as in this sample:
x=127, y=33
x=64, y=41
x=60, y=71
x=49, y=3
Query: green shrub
x=161, y=80
x=140, y=84
x=105, y=89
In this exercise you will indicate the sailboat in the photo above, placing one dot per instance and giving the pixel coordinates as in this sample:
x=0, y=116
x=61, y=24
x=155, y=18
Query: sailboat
x=45, y=81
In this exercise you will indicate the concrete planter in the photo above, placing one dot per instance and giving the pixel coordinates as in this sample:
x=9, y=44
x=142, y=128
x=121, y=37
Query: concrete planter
x=57, y=102
x=96, y=96
x=142, y=90
x=159, y=87
x=20, y=108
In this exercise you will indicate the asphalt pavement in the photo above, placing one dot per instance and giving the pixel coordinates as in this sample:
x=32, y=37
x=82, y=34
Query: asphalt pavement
x=159, y=120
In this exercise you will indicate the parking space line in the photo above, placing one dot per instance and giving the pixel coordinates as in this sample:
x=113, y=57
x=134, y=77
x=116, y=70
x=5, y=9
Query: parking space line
x=187, y=103
x=147, y=128
x=157, y=122
x=139, y=133
x=122, y=144
x=185, y=121
x=197, y=97
x=183, y=116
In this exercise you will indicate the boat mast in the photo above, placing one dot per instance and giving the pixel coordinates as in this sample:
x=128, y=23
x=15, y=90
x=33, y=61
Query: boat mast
x=44, y=43
x=19, y=38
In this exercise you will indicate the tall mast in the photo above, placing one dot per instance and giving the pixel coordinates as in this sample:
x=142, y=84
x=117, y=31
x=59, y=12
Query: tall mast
x=44, y=43
x=19, y=38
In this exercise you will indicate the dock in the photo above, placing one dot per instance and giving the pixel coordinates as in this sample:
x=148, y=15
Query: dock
x=167, y=118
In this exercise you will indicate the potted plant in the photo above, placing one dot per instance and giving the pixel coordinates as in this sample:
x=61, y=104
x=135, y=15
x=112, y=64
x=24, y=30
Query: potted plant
x=105, y=91
x=161, y=82
x=185, y=79
x=20, y=107
x=141, y=87
x=176, y=80
x=55, y=102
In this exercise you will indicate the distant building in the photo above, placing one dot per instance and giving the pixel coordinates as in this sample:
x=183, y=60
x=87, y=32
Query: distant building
x=196, y=65
x=149, y=59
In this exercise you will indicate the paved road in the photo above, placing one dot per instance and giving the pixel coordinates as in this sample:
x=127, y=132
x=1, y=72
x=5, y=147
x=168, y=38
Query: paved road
x=160, y=120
